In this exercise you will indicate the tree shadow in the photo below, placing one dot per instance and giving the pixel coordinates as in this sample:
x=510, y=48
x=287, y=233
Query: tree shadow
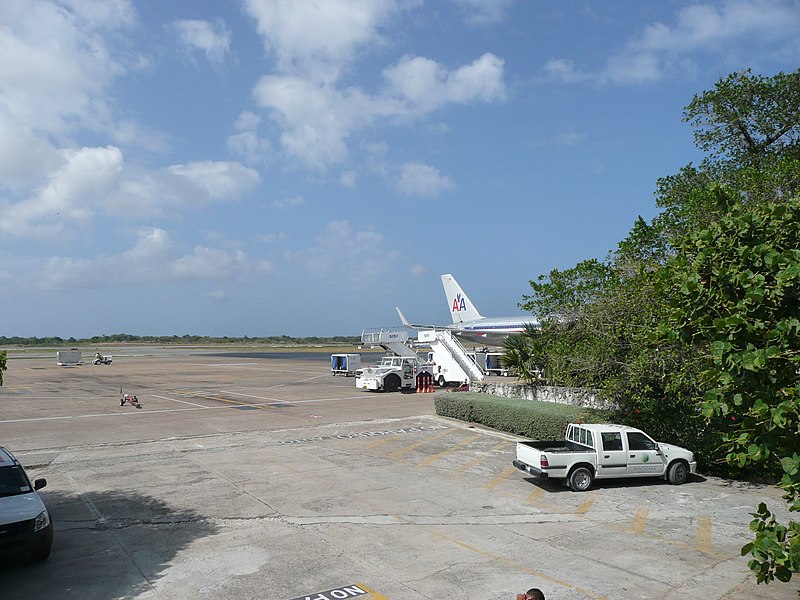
x=106, y=545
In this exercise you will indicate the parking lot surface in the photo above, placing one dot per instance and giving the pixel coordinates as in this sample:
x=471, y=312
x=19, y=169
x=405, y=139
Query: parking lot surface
x=255, y=476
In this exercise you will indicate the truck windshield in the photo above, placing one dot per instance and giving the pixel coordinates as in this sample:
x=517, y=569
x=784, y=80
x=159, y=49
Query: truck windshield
x=13, y=481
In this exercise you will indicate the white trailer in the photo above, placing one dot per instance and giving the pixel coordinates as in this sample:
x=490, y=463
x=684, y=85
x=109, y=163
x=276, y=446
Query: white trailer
x=68, y=358
x=494, y=364
x=345, y=364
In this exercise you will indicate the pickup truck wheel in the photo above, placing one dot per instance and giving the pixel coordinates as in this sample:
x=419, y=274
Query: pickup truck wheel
x=580, y=479
x=678, y=473
x=391, y=383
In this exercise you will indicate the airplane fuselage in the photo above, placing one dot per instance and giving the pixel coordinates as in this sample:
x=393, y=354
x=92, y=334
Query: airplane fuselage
x=489, y=331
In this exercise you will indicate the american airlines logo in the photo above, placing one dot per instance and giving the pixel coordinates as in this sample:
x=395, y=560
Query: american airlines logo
x=459, y=304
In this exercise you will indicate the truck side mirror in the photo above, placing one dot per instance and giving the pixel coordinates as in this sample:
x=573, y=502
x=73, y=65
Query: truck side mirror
x=39, y=483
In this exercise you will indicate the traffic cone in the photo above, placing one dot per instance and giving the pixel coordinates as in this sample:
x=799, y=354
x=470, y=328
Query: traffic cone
x=430, y=384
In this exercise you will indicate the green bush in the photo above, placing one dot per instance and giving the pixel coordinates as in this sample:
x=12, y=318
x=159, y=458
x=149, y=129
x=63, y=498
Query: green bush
x=531, y=418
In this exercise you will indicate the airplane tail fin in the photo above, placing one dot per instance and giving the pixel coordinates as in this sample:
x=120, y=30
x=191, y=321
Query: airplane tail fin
x=403, y=319
x=461, y=309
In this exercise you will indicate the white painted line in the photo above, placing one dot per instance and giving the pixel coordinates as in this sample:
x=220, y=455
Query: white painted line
x=34, y=419
x=181, y=401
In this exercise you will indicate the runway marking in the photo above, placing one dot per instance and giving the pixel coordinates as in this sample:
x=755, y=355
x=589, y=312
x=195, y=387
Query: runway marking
x=703, y=540
x=181, y=401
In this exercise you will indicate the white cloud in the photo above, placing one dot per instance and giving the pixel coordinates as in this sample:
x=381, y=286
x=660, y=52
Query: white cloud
x=701, y=28
x=246, y=142
x=317, y=118
x=563, y=70
x=72, y=194
x=426, y=85
x=218, y=180
x=340, y=244
x=422, y=180
x=57, y=68
x=318, y=38
x=150, y=260
x=419, y=270
x=213, y=39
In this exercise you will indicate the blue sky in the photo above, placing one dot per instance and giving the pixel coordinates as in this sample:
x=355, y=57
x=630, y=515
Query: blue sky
x=296, y=167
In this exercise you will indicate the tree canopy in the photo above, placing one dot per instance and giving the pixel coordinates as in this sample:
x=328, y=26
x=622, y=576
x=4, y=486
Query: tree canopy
x=692, y=322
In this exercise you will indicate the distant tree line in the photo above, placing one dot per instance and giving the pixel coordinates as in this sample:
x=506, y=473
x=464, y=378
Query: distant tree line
x=280, y=340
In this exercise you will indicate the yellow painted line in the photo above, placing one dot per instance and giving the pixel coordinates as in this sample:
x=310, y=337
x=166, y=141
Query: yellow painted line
x=372, y=593
x=379, y=441
x=500, y=478
x=435, y=436
x=703, y=541
x=639, y=522
x=535, y=495
x=586, y=505
x=455, y=447
x=471, y=463
x=518, y=566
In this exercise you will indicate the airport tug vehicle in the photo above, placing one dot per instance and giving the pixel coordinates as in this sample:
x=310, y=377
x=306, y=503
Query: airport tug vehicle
x=128, y=399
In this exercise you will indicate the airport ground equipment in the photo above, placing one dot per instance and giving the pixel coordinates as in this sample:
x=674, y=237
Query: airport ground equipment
x=400, y=370
x=101, y=359
x=128, y=399
x=450, y=362
x=345, y=364
x=394, y=373
x=493, y=362
x=69, y=358
x=590, y=452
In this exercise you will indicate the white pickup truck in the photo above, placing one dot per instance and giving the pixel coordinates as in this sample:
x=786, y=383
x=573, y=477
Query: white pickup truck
x=591, y=452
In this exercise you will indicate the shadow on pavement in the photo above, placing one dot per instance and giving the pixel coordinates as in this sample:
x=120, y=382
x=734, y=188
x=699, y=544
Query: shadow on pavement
x=105, y=545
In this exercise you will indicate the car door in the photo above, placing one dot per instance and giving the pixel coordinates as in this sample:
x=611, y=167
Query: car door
x=612, y=456
x=643, y=456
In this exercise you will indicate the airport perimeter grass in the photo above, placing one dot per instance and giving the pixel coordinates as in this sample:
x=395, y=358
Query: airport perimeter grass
x=531, y=418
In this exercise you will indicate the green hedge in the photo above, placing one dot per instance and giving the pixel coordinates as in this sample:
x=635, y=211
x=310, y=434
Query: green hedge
x=531, y=418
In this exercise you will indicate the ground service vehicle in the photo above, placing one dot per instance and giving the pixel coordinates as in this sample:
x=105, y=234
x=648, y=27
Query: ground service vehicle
x=25, y=523
x=345, y=364
x=68, y=358
x=591, y=452
x=101, y=359
x=392, y=374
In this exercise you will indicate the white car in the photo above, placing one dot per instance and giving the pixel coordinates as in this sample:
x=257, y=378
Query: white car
x=25, y=524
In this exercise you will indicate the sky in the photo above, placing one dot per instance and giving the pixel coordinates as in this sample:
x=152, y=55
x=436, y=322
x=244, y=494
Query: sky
x=301, y=167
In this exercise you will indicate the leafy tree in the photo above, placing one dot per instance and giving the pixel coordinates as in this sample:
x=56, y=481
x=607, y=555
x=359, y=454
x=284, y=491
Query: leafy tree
x=2, y=366
x=734, y=288
x=747, y=116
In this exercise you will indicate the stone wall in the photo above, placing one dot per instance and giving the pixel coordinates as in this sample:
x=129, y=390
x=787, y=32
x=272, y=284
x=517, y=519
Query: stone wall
x=544, y=393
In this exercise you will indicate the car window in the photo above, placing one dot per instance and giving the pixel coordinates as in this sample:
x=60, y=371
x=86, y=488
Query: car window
x=13, y=481
x=639, y=441
x=612, y=440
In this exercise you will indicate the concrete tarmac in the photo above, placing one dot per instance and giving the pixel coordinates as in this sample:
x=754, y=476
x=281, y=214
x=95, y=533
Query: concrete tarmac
x=253, y=476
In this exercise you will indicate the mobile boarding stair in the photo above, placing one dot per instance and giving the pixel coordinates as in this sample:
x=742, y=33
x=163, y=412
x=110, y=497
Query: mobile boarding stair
x=442, y=340
x=392, y=339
